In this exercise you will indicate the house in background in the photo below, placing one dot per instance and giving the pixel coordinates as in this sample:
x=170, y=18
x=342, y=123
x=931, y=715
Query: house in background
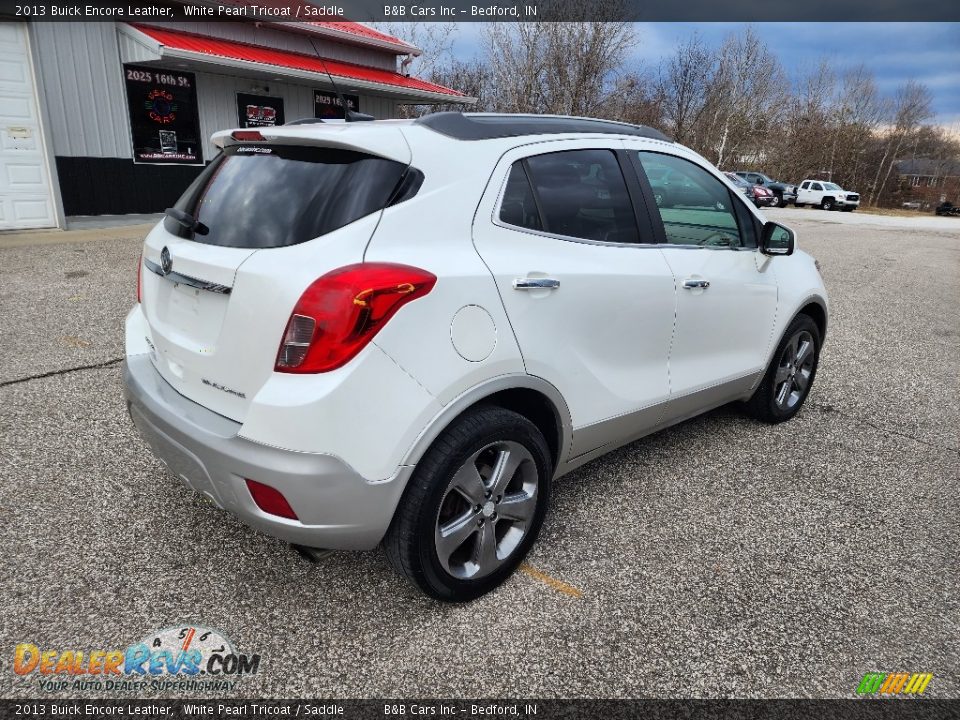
x=928, y=181
x=116, y=118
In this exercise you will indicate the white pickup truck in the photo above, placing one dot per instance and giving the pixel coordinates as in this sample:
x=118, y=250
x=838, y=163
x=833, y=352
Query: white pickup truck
x=828, y=195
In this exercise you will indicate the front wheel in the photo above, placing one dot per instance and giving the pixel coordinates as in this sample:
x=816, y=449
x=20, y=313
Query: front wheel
x=474, y=505
x=788, y=380
x=826, y=204
x=777, y=200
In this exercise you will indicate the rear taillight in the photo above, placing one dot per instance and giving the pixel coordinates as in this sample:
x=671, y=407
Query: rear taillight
x=343, y=310
x=140, y=279
x=270, y=500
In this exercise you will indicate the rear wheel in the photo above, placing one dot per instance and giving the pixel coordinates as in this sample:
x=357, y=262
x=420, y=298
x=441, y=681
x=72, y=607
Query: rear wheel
x=474, y=505
x=788, y=380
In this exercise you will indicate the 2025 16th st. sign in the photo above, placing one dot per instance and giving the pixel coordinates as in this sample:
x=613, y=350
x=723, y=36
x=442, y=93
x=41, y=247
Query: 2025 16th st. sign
x=164, y=121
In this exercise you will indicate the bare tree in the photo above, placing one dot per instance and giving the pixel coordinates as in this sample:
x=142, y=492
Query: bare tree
x=747, y=89
x=684, y=85
x=566, y=68
x=911, y=106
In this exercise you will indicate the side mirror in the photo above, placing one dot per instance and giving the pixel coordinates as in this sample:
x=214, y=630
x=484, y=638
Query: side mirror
x=776, y=239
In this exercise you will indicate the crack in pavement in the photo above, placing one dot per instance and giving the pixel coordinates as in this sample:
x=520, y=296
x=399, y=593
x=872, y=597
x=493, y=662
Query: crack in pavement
x=831, y=409
x=53, y=373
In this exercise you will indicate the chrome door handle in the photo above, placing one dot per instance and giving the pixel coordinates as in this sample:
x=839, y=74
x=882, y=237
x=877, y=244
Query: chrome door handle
x=696, y=284
x=535, y=283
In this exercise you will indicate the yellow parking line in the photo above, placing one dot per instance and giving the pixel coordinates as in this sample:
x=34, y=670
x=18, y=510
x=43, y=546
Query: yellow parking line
x=557, y=585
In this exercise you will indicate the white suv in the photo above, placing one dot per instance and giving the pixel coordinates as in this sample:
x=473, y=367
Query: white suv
x=401, y=332
x=828, y=195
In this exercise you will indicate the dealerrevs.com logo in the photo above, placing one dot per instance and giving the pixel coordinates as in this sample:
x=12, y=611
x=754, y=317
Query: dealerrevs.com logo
x=899, y=683
x=182, y=658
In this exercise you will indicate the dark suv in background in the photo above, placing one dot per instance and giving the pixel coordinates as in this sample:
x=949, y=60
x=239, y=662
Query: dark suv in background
x=783, y=193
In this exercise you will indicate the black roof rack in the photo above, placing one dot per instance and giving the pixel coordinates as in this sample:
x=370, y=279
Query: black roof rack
x=489, y=126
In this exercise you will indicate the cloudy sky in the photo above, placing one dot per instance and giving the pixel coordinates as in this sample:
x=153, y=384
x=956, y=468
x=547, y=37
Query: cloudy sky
x=895, y=52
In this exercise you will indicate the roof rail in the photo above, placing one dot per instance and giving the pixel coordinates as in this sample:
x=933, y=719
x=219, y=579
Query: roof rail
x=486, y=126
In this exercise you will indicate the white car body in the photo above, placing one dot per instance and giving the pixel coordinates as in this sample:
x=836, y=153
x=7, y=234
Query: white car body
x=619, y=350
x=827, y=195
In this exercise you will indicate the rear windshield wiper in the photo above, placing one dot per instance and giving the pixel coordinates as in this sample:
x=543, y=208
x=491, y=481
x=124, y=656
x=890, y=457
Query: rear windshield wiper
x=187, y=220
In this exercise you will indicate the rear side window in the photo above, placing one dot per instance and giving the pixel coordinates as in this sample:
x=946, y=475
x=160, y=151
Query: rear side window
x=519, y=206
x=274, y=196
x=582, y=194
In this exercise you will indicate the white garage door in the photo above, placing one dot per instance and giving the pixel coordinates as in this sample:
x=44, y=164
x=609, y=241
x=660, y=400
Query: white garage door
x=25, y=197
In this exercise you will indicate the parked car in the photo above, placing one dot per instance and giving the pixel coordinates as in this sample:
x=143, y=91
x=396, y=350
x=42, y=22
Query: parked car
x=346, y=340
x=947, y=208
x=783, y=193
x=757, y=194
x=828, y=195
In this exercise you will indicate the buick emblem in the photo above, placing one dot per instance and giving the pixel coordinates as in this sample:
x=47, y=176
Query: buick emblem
x=166, y=262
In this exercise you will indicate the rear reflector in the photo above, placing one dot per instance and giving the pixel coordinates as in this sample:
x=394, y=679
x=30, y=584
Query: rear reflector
x=247, y=135
x=270, y=500
x=341, y=312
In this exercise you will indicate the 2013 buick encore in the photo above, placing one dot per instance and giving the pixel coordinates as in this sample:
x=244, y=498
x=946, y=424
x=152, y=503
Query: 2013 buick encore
x=402, y=331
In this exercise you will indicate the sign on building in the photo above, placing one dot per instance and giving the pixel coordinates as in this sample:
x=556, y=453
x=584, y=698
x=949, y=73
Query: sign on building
x=259, y=110
x=327, y=105
x=164, y=121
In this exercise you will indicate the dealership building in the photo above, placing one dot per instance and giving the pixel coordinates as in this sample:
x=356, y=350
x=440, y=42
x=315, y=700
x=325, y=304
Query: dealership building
x=111, y=118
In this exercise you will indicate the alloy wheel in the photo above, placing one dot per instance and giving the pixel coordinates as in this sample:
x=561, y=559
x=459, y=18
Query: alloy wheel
x=487, y=510
x=794, y=371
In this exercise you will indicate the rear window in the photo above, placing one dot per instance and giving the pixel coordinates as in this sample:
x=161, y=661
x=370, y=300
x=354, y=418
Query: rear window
x=275, y=196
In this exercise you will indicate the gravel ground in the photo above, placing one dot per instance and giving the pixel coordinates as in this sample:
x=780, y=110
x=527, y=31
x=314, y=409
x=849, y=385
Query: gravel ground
x=717, y=558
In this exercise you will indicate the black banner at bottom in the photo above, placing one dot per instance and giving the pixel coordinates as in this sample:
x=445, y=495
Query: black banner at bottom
x=858, y=709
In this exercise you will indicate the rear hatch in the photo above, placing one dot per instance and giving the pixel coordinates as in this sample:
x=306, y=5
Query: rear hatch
x=261, y=222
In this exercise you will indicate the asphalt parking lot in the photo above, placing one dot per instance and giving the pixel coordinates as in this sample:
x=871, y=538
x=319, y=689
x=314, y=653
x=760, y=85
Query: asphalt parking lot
x=718, y=558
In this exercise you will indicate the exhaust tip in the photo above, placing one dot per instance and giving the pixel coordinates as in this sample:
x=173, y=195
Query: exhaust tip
x=310, y=554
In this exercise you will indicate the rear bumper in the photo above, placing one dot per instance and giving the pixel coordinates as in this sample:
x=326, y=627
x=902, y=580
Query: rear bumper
x=338, y=508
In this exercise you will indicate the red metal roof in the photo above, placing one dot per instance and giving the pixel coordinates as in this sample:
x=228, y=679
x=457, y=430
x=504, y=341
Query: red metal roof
x=216, y=47
x=355, y=28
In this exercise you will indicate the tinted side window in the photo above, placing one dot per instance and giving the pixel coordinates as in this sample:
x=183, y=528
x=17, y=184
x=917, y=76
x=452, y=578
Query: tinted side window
x=806, y=185
x=696, y=208
x=582, y=194
x=518, y=206
x=817, y=186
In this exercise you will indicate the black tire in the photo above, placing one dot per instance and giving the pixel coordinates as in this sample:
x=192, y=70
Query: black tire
x=411, y=541
x=777, y=200
x=764, y=404
x=827, y=204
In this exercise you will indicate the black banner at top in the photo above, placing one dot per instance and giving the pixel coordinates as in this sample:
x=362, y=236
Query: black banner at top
x=482, y=10
x=484, y=709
